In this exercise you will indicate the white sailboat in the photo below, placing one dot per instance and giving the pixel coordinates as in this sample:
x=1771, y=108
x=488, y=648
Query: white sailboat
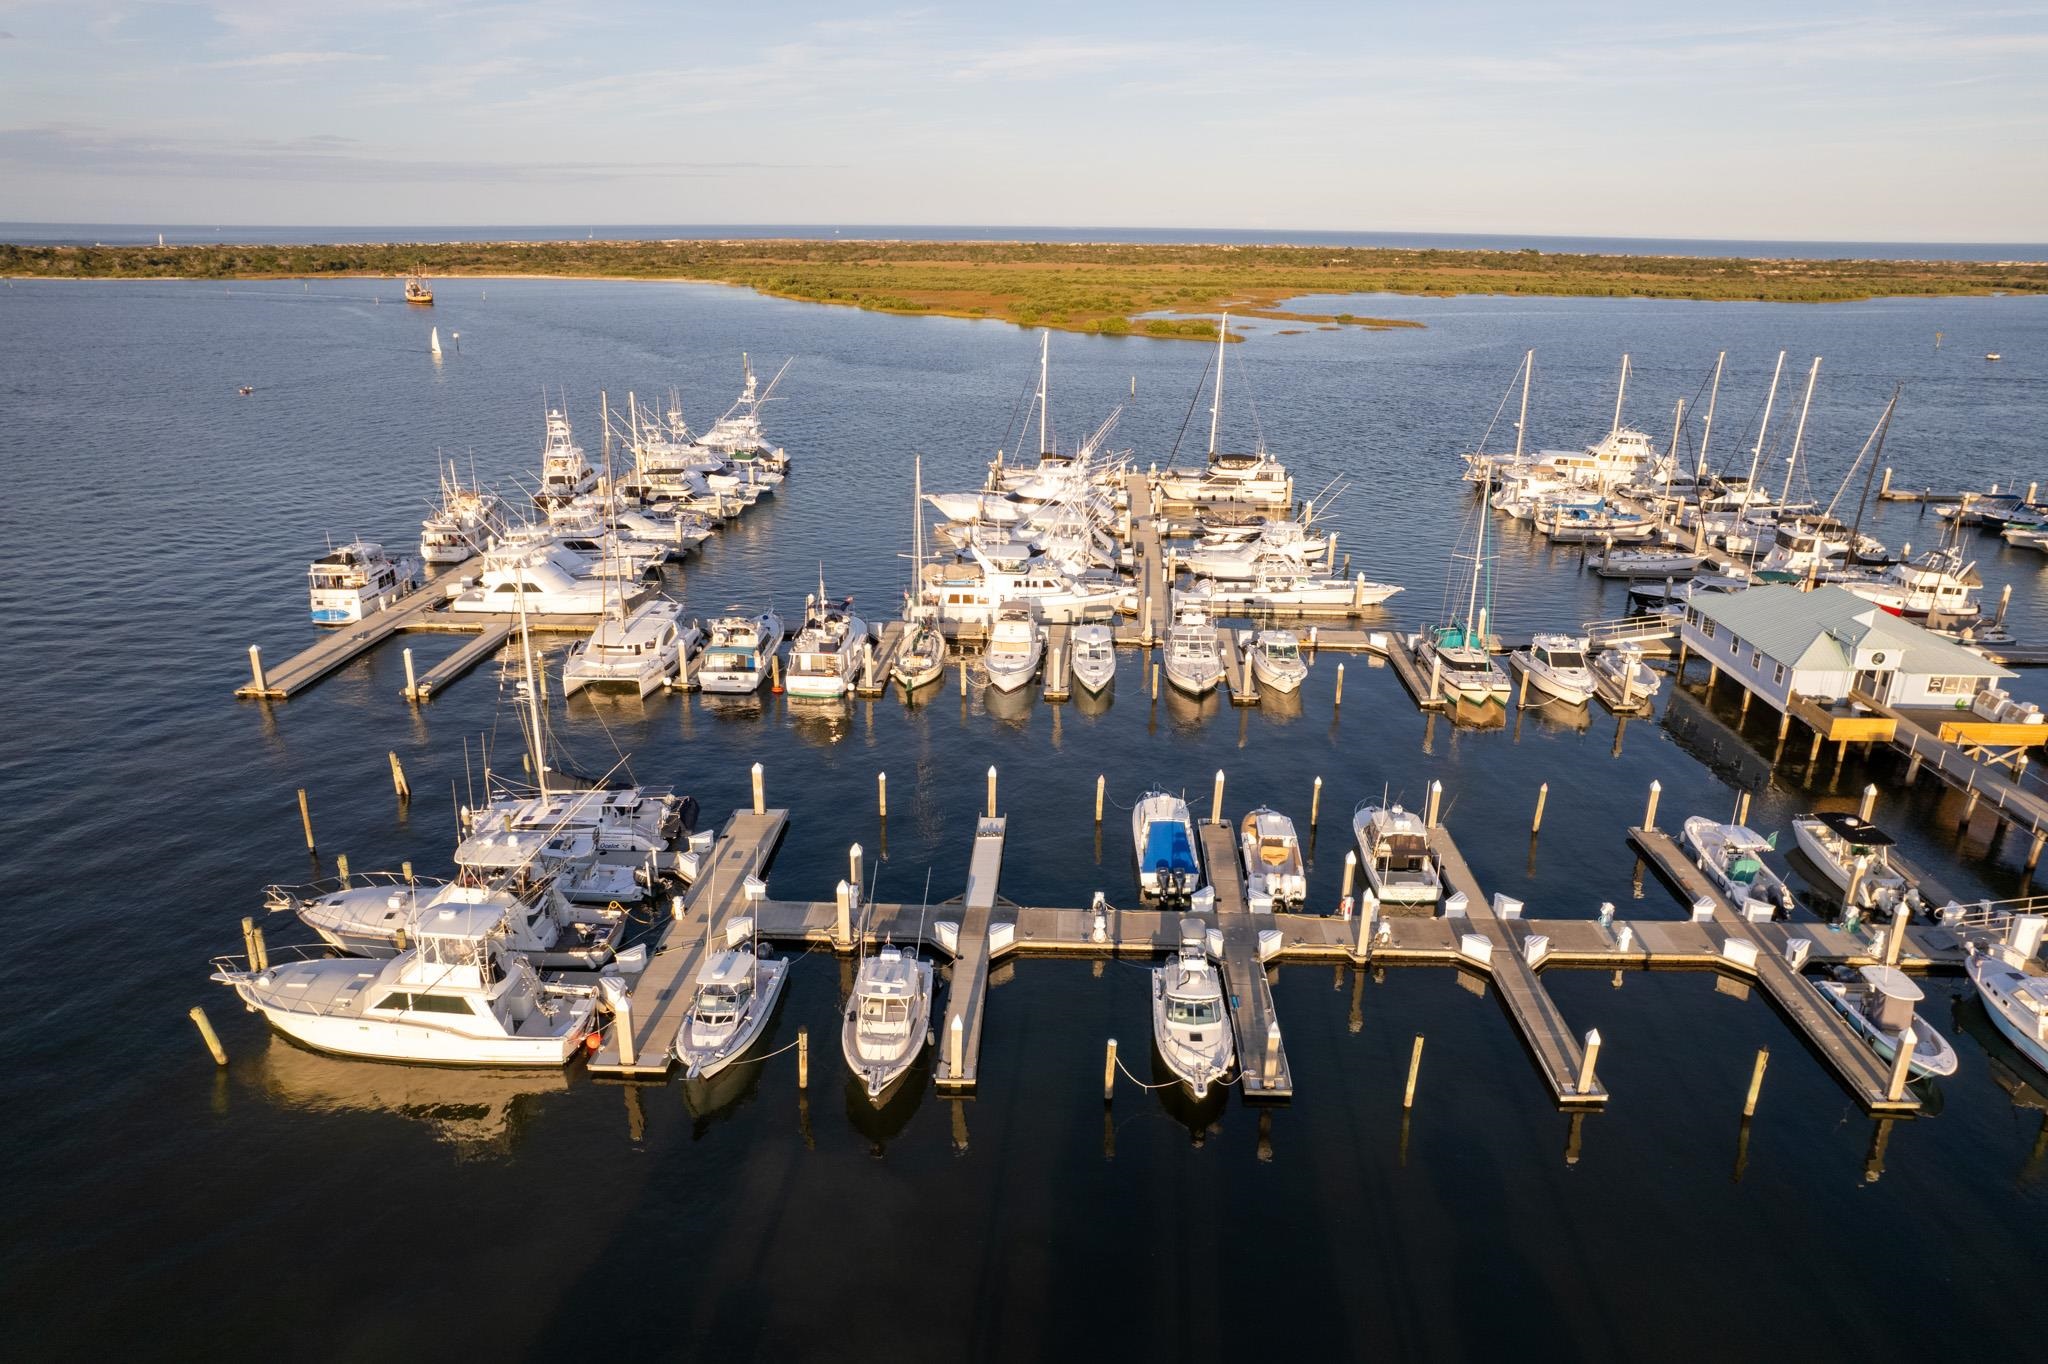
x=921, y=653
x=1188, y=1022
x=1231, y=477
x=1457, y=655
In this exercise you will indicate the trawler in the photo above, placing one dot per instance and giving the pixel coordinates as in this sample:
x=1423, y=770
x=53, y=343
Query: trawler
x=736, y=660
x=356, y=580
x=825, y=656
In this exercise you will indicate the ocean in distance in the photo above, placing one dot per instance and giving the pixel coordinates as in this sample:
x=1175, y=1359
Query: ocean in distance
x=133, y=234
x=158, y=523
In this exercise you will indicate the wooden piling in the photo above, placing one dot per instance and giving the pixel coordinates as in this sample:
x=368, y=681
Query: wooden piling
x=341, y=869
x=1869, y=805
x=760, y=790
x=1902, y=1065
x=1216, y=800
x=853, y=867
x=1315, y=804
x=963, y=676
x=803, y=1058
x=1414, y=1069
x=1340, y=688
x=1650, y=811
x=1756, y=1081
x=209, y=1036
x=1588, y=1080
x=1434, y=808
x=991, y=790
x=1542, y=795
x=399, y=785
x=259, y=955
x=257, y=680
x=412, y=685
x=1109, y=1071
x=1741, y=807
x=306, y=820
x=882, y=794
x=1350, y=871
x=249, y=940
x=1101, y=780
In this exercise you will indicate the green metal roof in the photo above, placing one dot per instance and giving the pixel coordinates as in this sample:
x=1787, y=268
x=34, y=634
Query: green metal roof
x=1822, y=629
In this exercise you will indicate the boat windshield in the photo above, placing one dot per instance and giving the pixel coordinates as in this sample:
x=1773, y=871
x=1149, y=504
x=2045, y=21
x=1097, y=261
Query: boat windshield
x=1566, y=658
x=1284, y=650
x=893, y=1014
x=1193, y=1012
x=1404, y=852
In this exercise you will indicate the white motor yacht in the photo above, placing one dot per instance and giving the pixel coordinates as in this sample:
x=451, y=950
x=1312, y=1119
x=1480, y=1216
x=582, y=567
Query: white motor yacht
x=542, y=586
x=1556, y=666
x=456, y=996
x=736, y=659
x=825, y=656
x=1188, y=1022
x=1879, y=1006
x=736, y=993
x=641, y=650
x=2016, y=1000
x=887, y=1017
x=1732, y=857
x=1094, y=663
x=1393, y=851
x=1622, y=677
x=1016, y=645
x=1935, y=583
x=1193, y=654
x=1835, y=842
x=370, y=914
x=998, y=576
x=1272, y=858
x=357, y=579
x=1163, y=836
x=1276, y=660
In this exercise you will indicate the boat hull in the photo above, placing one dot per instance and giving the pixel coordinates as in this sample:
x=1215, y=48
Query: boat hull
x=701, y=1062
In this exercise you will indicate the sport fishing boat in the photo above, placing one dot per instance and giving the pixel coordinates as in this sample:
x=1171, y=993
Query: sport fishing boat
x=1276, y=660
x=1163, y=833
x=1194, y=656
x=1622, y=677
x=641, y=650
x=371, y=914
x=1937, y=583
x=356, y=580
x=1835, y=842
x=1094, y=663
x=736, y=659
x=1272, y=858
x=456, y=996
x=1878, y=1002
x=1015, y=647
x=736, y=993
x=825, y=656
x=1732, y=857
x=2016, y=1000
x=1000, y=575
x=887, y=1017
x=1393, y=851
x=1188, y=1024
x=1556, y=666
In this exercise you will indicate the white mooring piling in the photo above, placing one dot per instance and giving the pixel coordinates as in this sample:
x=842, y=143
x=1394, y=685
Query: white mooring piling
x=760, y=790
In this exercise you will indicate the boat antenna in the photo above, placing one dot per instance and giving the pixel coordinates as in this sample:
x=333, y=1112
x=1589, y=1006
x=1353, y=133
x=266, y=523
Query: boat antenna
x=1522, y=421
x=1044, y=391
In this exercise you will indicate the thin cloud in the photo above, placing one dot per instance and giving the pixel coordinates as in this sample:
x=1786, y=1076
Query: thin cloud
x=295, y=60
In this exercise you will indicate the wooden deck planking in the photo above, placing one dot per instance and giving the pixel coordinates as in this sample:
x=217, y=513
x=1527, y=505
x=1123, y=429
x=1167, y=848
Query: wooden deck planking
x=1059, y=661
x=967, y=995
x=461, y=661
x=1402, y=657
x=661, y=993
x=1252, y=1011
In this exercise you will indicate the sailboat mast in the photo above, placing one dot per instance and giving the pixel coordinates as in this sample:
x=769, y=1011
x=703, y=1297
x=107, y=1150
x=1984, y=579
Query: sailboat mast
x=1707, y=432
x=1522, y=422
x=1756, y=455
x=1620, y=393
x=1216, y=405
x=1671, y=456
x=1044, y=374
x=1884, y=424
x=1799, y=432
x=540, y=758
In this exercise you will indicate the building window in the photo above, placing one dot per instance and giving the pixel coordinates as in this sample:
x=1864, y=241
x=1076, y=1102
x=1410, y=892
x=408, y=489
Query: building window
x=1952, y=686
x=1734, y=646
x=1777, y=674
x=1706, y=627
x=1756, y=659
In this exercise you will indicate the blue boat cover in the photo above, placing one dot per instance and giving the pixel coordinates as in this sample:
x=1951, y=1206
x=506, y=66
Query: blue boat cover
x=1166, y=849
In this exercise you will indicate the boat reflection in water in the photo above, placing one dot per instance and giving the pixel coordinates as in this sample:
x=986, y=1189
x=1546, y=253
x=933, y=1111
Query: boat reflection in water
x=479, y=1112
x=1190, y=712
x=820, y=720
x=1010, y=708
x=1090, y=703
x=714, y=1100
x=1199, y=1116
x=881, y=1123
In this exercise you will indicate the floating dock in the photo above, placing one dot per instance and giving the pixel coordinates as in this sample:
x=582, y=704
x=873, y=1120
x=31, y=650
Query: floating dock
x=1261, y=1056
x=959, y=1060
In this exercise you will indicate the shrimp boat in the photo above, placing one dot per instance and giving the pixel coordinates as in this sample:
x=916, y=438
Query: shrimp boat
x=1094, y=664
x=1393, y=850
x=468, y=522
x=1188, y=1025
x=1622, y=678
x=736, y=993
x=887, y=1017
x=1879, y=1006
x=1015, y=646
x=641, y=651
x=825, y=656
x=417, y=292
x=921, y=653
x=1194, y=656
x=356, y=580
x=736, y=659
x=1732, y=857
x=1272, y=858
x=1276, y=660
x=1835, y=842
x=2016, y=1001
x=1556, y=666
x=1163, y=834
x=456, y=996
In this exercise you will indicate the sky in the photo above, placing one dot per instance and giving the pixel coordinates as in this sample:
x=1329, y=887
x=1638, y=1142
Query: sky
x=1877, y=122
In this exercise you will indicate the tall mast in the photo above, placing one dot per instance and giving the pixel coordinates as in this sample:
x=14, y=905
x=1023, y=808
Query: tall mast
x=1707, y=432
x=540, y=758
x=917, y=539
x=1620, y=393
x=1799, y=433
x=1522, y=422
x=1756, y=455
x=1884, y=424
x=1671, y=456
x=1216, y=405
x=1478, y=558
x=1044, y=372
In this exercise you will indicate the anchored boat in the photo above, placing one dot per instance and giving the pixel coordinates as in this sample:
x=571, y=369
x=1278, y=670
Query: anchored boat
x=825, y=656
x=356, y=580
x=2016, y=1001
x=1194, y=656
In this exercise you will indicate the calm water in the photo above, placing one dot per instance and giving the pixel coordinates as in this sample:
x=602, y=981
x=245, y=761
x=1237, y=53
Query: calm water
x=137, y=234
x=159, y=523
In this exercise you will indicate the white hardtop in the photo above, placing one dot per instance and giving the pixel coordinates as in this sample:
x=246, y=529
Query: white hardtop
x=1893, y=983
x=887, y=974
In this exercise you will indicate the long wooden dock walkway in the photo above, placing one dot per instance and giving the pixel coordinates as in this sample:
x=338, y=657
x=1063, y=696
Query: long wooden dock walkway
x=1402, y=656
x=1261, y=1055
x=1866, y=1075
x=660, y=995
x=488, y=642
x=338, y=647
x=1559, y=1053
x=1059, y=662
x=1148, y=567
x=959, y=1061
x=1237, y=670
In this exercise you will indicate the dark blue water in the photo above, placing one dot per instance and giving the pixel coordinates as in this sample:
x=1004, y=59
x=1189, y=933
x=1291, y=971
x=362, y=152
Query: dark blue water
x=138, y=234
x=159, y=523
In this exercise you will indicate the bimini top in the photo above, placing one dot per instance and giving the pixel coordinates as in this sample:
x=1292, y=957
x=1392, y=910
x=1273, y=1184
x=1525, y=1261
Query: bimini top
x=1855, y=830
x=1167, y=848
